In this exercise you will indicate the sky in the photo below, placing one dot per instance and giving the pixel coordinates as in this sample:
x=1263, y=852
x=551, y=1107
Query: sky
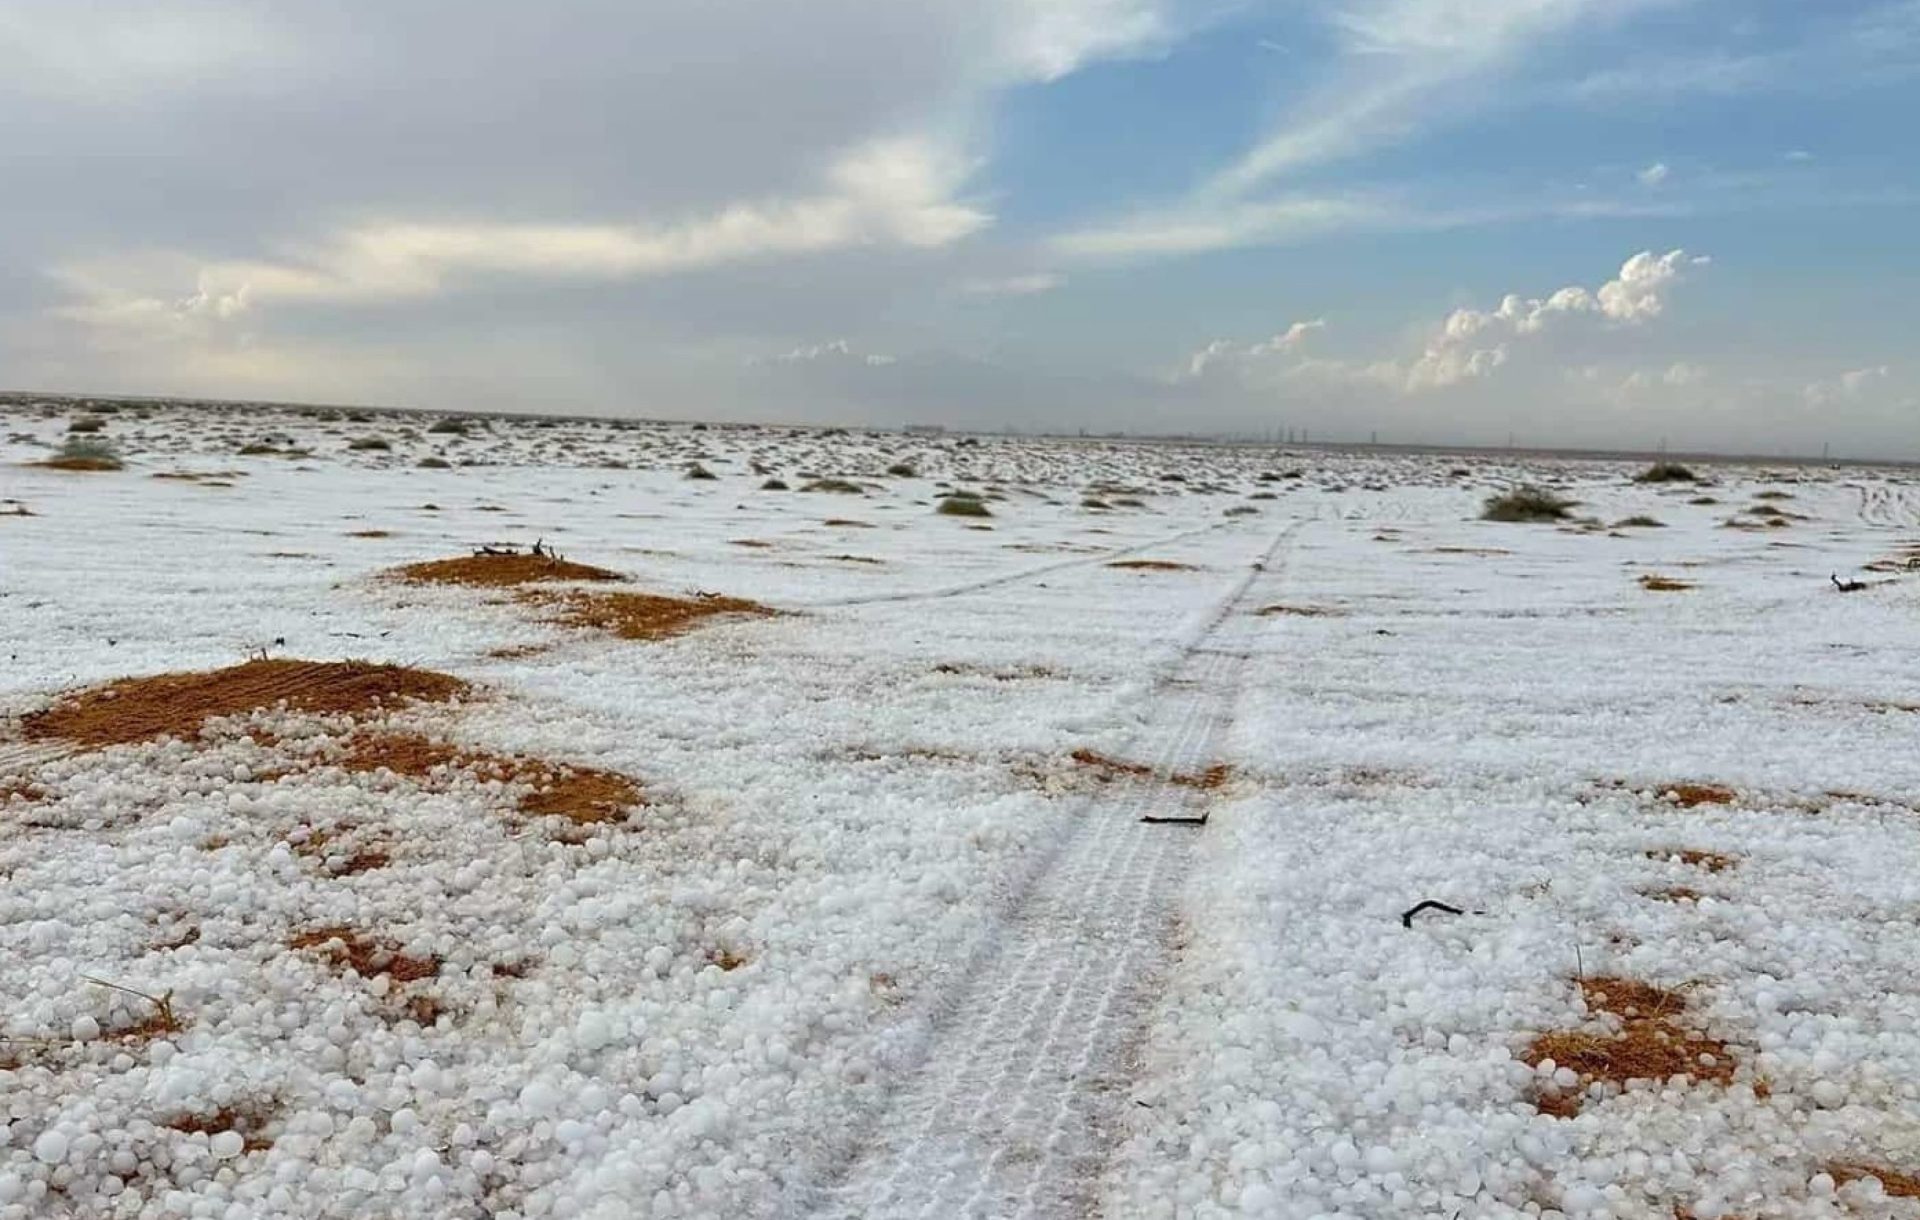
x=1568, y=222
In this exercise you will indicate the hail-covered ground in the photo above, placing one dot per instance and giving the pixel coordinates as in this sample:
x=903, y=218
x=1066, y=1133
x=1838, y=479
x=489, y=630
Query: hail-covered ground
x=298, y=958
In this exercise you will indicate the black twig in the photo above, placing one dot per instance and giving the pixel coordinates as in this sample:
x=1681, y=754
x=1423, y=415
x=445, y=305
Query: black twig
x=1406, y=916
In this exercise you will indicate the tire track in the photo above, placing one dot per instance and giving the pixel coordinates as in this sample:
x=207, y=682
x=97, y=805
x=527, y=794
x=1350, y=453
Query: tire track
x=1020, y=1092
x=1009, y=578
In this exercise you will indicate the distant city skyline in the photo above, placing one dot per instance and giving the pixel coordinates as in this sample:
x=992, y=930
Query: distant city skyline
x=1582, y=223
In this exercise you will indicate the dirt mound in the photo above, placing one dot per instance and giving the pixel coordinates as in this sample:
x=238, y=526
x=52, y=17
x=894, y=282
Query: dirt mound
x=1652, y=1043
x=488, y=570
x=641, y=616
x=585, y=796
x=176, y=705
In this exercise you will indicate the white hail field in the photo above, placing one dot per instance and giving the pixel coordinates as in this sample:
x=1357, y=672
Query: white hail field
x=848, y=909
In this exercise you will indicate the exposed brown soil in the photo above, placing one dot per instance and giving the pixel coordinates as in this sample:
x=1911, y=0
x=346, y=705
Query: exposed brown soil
x=250, y=1121
x=20, y=790
x=177, y=704
x=1652, y=1043
x=1711, y=861
x=1664, y=584
x=500, y=571
x=1151, y=565
x=641, y=616
x=1687, y=796
x=726, y=959
x=1107, y=769
x=586, y=796
x=345, y=949
x=1675, y=893
x=1898, y=1185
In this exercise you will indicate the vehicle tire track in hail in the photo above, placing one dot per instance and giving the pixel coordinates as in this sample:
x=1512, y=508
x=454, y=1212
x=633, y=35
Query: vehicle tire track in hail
x=1009, y=578
x=1020, y=1093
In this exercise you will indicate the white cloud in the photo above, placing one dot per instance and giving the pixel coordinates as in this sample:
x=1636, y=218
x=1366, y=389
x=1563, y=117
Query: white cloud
x=839, y=350
x=1850, y=386
x=1045, y=40
x=1223, y=349
x=1205, y=228
x=1654, y=174
x=1014, y=285
x=1472, y=343
x=891, y=192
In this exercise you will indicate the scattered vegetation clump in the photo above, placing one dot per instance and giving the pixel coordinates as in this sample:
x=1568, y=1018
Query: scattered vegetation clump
x=434, y=463
x=1527, y=503
x=370, y=443
x=1651, y=1043
x=1151, y=565
x=774, y=485
x=960, y=505
x=1666, y=472
x=178, y=704
x=641, y=616
x=1639, y=521
x=837, y=486
x=448, y=427
x=1296, y=611
x=85, y=454
x=498, y=568
x=696, y=471
x=1655, y=583
x=87, y=423
x=902, y=470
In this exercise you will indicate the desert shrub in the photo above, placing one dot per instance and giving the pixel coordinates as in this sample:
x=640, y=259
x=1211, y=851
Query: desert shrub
x=1527, y=503
x=448, y=427
x=963, y=506
x=87, y=423
x=1666, y=472
x=774, y=485
x=85, y=453
x=902, y=470
x=1242, y=510
x=379, y=443
x=1094, y=502
x=435, y=463
x=258, y=449
x=1703, y=501
x=697, y=471
x=839, y=486
x=1640, y=521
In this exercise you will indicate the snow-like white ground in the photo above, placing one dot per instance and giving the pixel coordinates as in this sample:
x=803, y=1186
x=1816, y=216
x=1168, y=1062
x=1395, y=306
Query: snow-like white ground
x=854, y=809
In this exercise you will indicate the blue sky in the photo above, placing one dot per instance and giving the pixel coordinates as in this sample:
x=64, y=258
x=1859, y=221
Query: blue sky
x=1586, y=222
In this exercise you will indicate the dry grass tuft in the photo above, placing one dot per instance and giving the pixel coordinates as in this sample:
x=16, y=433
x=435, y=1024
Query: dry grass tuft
x=1527, y=503
x=642, y=616
x=1898, y=1185
x=493, y=571
x=1651, y=1043
x=1151, y=565
x=176, y=705
x=345, y=949
x=1655, y=583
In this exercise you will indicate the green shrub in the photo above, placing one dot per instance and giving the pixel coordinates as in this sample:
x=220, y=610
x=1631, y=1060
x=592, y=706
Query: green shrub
x=1666, y=472
x=1527, y=503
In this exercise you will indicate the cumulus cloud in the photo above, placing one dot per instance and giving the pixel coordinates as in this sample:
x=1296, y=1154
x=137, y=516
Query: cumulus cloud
x=838, y=350
x=1226, y=349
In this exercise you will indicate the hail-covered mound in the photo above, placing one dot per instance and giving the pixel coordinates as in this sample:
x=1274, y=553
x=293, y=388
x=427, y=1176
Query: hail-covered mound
x=178, y=704
x=501, y=569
